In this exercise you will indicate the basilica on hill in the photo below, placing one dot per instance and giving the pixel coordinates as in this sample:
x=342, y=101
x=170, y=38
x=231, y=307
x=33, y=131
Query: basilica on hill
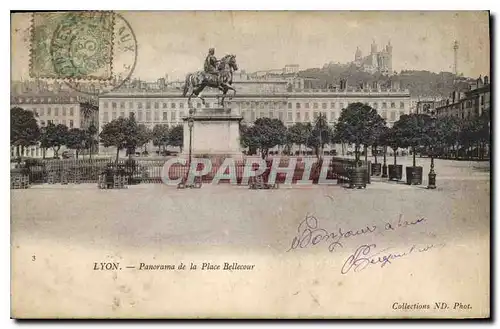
x=376, y=61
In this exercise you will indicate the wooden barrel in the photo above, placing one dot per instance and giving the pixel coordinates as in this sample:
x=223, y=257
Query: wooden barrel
x=395, y=172
x=376, y=169
x=357, y=177
x=414, y=175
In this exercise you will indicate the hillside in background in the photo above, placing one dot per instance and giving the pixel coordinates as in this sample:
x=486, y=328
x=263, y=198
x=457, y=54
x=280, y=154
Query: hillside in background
x=420, y=83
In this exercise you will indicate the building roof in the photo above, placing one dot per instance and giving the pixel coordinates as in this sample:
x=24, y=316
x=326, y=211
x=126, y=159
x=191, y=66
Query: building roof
x=303, y=93
x=51, y=98
x=480, y=90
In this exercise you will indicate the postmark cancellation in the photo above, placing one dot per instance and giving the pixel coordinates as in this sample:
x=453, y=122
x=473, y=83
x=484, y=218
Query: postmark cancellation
x=72, y=45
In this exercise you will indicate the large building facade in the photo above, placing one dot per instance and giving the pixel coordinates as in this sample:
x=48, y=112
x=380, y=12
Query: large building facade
x=69, y=109
x=469, y=104
x=254, y=99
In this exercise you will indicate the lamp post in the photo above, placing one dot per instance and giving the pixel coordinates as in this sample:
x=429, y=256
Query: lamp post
x=432, y=174
x=184, y=182
x=384, y=166
x=433, y=133
x=190, y=125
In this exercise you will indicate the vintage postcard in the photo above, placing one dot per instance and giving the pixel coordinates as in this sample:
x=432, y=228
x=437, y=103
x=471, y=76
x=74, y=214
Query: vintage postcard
x=250, y=164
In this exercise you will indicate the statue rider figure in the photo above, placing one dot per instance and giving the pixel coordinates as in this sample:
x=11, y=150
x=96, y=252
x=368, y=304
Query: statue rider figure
x=211, y=63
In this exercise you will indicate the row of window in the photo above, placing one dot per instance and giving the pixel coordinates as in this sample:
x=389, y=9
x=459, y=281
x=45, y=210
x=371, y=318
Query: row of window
x=462, y=114
x=333, y=105
x=140, y=105
x=69, y=123
x=248, y=104
x=470, y=103
x=64, y=111
x=247, y=115
x=147, y=117
x=448, y=111
x=464, y=104
x=49, y=99
x=31, y=151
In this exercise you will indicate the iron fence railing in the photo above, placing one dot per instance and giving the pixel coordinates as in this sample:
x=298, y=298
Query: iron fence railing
x=151, y=170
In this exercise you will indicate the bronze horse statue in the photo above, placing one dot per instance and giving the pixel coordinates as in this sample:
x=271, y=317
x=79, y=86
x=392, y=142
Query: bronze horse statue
x=197, y=81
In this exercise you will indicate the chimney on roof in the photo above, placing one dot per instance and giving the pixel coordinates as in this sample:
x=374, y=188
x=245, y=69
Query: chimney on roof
x=486, y=80
x=342, y=84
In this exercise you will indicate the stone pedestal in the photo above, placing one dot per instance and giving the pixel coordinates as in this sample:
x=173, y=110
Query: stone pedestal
x=216, y=131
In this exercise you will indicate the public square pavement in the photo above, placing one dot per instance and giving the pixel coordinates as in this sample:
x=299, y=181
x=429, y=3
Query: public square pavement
x=152, y=222
x=164, y=215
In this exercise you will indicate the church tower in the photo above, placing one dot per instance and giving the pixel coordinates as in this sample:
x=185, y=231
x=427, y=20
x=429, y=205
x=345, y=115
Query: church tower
x=389, y=57
x=374, y=56
x=374, y=47
x=358, y=56
x=389, y=47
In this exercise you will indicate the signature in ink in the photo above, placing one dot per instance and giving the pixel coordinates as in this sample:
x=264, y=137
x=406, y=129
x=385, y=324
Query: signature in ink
x=365, y=256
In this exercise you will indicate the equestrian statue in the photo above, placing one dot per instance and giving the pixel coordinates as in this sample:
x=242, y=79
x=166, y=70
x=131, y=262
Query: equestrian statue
x=216, y=74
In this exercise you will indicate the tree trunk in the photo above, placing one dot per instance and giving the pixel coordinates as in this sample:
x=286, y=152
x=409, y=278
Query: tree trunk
x=356, y=153
x=366, y=153
x=77, y=154
x=414, y=155
x=374, y=153
x=18, y=152
x=394, y=151
x=264, y=153
x=117, y=154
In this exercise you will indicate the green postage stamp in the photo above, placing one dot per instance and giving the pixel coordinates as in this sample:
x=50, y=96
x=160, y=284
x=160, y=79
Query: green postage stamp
x=72, y=45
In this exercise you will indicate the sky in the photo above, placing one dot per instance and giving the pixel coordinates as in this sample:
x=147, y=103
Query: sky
x=176, y=43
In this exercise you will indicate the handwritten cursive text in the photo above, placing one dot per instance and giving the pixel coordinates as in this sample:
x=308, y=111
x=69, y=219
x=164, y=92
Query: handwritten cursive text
x=365, y=256
x=309, y=233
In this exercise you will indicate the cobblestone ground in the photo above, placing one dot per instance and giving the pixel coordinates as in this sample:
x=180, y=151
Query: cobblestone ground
x=69, y=228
